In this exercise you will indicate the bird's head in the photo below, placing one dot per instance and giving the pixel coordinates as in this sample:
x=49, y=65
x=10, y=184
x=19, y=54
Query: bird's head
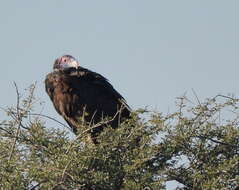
x=64, y=62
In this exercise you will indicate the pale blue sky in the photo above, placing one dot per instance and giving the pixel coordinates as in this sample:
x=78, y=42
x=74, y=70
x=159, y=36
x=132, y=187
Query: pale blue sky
x=151, y=51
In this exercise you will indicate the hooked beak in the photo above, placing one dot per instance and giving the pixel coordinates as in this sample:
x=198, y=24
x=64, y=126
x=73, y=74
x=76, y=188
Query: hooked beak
x=57, y=65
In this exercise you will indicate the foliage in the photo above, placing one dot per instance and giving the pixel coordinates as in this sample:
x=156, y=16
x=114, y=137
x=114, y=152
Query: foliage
x=195, y=146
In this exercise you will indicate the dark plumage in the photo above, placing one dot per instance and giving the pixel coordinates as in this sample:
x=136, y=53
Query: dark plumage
x=75, y=90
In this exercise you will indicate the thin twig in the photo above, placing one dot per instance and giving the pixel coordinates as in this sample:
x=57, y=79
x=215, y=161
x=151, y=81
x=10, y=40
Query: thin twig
x=223, y=96
x=64, y=171
x=195, y=94
x=51, y=118
x=19, y=123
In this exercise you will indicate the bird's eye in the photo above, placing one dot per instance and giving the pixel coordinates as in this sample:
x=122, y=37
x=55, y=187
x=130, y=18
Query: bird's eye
x=64, y=60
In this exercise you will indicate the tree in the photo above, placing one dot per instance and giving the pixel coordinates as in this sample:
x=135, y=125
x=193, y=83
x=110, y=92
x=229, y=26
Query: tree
x=197, y=146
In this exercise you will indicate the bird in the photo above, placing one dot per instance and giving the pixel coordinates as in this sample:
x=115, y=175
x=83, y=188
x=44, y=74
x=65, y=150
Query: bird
x=83, y=97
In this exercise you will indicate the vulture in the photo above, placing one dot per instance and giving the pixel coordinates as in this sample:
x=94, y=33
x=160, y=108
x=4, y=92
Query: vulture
x=82, y=96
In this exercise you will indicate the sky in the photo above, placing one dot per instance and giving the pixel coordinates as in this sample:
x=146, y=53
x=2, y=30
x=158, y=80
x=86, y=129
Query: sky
x=151, y=51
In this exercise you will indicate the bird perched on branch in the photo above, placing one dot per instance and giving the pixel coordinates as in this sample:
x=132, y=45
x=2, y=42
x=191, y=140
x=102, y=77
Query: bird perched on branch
x=77, y=93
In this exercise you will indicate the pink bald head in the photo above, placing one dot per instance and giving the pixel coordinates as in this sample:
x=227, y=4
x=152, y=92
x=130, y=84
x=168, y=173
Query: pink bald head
x=65, y=62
